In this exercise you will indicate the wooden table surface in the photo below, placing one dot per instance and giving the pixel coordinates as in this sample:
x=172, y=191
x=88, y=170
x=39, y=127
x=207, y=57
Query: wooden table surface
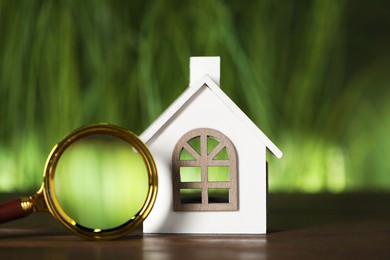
x=349, y=226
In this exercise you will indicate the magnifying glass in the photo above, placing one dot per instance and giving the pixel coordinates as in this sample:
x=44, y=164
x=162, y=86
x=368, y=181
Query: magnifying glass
x=100, y=181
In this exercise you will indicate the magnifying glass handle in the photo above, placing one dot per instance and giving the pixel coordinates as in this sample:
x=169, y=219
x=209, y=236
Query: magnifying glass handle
x=15, y=209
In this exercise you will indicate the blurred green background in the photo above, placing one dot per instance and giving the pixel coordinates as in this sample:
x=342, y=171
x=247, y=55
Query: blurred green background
x=313, y=75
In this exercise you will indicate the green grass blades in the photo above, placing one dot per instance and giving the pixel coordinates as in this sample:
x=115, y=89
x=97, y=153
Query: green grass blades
x=313, y=75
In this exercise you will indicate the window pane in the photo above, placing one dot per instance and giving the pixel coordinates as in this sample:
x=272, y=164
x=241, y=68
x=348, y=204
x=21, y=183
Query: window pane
x=195, y=143
x=218, y=196
x=211, y=144
x=218, y=173
x=186, y=156
x=190, y=174
x=191, y=196
x=222, y=155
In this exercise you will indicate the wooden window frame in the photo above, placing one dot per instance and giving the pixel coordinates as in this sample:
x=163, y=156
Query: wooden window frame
x=204, y=160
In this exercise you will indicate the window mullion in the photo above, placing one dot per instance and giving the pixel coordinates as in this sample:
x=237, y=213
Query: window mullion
x=204, y=159
x=205, y=195
x=216, y=150
x=219, y=163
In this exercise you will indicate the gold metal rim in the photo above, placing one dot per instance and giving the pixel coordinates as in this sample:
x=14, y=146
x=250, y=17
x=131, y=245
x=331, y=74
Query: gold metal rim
x=49, y=189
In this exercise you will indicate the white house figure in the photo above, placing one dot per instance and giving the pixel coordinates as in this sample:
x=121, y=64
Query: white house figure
x=211, y=162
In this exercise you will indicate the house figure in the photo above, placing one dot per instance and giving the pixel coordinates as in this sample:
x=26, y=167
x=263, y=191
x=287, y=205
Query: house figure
x=211, y=162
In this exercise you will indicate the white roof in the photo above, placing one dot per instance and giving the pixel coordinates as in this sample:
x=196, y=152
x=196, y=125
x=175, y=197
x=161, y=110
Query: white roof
x=153, y=129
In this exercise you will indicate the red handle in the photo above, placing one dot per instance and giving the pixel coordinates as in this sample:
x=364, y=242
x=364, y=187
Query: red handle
x=12, y=210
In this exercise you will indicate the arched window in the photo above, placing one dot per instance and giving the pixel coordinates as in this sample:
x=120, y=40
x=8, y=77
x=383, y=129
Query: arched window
x=204, y=172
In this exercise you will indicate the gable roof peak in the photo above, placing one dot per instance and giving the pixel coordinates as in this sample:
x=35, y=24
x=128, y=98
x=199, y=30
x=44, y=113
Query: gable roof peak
x=197, y=82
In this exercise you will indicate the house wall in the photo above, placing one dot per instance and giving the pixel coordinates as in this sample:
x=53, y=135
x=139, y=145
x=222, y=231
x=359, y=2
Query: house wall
x=205, y=110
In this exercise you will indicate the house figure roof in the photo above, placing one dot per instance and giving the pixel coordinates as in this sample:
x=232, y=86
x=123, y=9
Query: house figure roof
x=211, y=82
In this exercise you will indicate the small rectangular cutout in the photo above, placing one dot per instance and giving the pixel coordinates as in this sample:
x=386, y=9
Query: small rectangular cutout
x=218, y=195
x=218, y=173
x=191, y=174
x=191, y=196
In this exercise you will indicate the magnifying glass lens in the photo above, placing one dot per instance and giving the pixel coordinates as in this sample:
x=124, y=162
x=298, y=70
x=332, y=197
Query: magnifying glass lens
x=101, y=182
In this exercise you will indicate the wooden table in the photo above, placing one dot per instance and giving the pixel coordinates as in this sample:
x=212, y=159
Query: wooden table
x=349, y=226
